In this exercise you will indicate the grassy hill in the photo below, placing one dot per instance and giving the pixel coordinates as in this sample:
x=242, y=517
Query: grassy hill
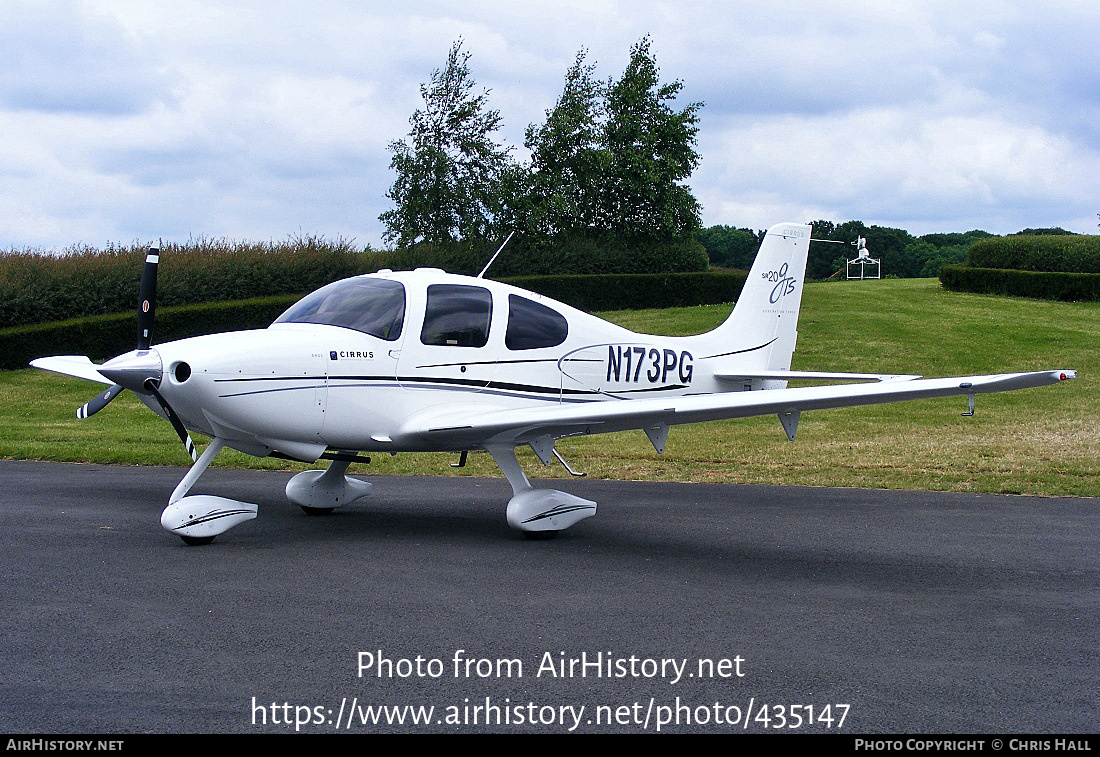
x=1042, y=441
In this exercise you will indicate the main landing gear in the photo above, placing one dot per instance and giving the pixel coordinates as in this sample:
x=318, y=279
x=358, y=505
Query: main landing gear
x=320, y=492
x=198, y=518
x=538, y=513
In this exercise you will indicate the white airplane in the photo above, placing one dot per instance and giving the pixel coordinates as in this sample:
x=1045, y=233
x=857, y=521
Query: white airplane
x=423, y=360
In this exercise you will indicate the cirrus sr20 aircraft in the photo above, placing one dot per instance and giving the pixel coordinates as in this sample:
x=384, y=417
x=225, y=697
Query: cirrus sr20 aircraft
x=428, y=361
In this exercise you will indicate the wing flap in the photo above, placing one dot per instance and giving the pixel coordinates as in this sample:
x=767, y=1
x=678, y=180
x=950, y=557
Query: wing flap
x=812, y=376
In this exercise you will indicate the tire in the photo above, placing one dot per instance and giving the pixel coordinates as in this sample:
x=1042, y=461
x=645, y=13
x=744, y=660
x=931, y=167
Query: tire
x=196, y=541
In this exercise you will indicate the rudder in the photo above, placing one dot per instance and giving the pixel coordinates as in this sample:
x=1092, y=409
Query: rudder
x=761, y=331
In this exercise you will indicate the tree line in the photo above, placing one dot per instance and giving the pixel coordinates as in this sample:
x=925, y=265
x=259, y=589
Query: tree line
x=902, y=254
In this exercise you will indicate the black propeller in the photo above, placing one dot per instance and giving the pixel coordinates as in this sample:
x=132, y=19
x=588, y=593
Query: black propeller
x=140, y=371
x=174, y=419
x=147, y=298
x=90, y=408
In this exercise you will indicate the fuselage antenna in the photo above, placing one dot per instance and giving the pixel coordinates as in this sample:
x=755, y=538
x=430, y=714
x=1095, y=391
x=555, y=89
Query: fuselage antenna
x=486, y=268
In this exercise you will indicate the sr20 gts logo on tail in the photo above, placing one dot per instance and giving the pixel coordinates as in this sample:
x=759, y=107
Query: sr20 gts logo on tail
x=784, y=284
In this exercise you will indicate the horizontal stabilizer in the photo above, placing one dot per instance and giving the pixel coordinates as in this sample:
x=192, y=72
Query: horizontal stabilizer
x=77, y=366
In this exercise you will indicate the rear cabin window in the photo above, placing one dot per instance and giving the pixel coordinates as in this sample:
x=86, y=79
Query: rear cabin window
x=457, y=316
x=373, y=306
x=532, y=325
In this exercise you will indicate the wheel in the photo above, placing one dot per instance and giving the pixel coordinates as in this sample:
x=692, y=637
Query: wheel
x=316, y=510
x=196, y=541
x=540, y=535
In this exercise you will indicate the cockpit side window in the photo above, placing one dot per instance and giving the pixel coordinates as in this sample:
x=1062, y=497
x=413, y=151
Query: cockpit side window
x=457, y=316
x=373, y=306
x=532, y=325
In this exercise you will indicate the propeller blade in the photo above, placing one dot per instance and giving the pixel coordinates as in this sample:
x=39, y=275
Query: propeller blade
x=174, y=419
x=147, y=297
x=93, y=406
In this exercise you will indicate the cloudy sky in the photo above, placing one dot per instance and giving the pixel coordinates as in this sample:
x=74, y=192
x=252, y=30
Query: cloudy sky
x=126, y=121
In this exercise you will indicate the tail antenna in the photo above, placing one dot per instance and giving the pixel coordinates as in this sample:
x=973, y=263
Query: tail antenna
x=486, y=268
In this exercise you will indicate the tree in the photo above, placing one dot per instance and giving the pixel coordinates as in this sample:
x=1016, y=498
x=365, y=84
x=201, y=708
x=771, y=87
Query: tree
x=1057, y=231
x=650, y=151
x=955, y=239
x=606, y=171
x=941, y=256
x=729, y=247
x=611, y=158
x=567, y=163
x=449, y=179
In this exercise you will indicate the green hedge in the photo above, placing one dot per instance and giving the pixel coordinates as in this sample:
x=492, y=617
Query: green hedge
x=105, y=336
x=573, y=254
x=109, y=335
x=1077, y=253
x=636, y=291
x=1070, y=287
x=40, y=288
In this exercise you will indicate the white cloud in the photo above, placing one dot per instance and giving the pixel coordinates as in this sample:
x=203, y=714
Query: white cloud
x=132, y=120
x=899, y=166
x=58, y=57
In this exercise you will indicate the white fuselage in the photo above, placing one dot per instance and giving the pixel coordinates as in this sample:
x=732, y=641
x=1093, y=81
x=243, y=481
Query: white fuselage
x=301, y=388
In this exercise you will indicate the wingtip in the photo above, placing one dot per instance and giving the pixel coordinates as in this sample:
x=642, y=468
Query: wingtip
x=77, y=366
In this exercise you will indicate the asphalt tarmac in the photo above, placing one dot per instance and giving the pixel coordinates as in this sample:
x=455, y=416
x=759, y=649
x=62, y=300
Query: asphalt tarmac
x=683, y=607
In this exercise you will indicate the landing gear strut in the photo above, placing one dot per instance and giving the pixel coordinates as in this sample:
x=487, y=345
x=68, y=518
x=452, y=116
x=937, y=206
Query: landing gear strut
x=538, y=513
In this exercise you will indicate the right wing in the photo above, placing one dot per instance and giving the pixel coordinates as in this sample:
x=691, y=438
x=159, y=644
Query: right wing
x=463, y=427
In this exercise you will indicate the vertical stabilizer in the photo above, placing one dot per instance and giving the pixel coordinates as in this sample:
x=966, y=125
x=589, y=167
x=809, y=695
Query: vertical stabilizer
x=761, y=331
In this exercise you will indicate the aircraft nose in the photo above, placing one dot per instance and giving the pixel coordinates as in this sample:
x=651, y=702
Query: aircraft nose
x=133, y=369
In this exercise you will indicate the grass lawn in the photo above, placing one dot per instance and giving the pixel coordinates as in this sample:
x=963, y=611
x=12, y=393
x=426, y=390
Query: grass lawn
x=1042, y=441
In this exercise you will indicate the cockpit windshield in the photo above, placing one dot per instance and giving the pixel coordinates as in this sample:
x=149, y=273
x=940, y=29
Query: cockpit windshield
x=373, y=306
